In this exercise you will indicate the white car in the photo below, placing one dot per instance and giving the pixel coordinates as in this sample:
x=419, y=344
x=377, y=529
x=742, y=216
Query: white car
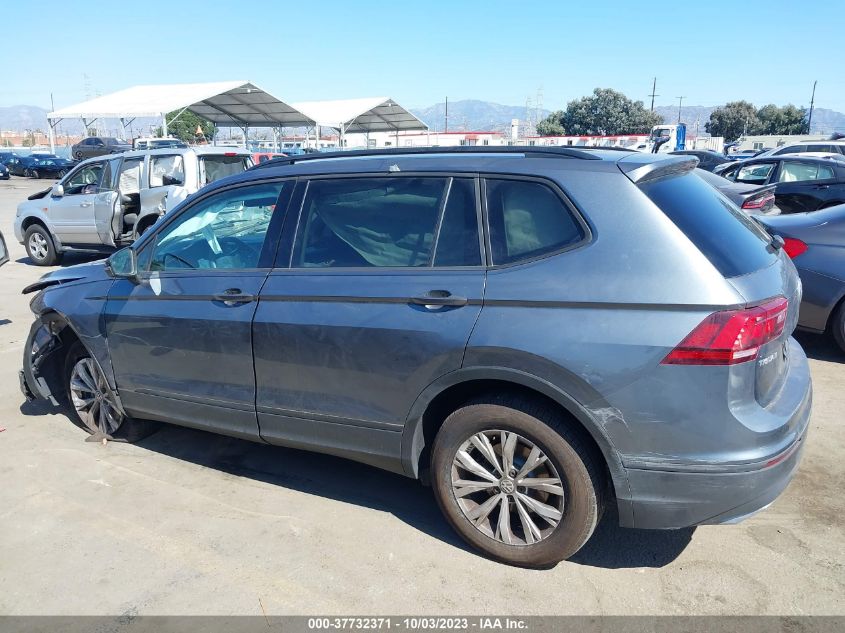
x=108, y=201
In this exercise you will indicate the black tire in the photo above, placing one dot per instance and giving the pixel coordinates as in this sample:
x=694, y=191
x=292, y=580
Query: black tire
x=41, y=250
x=837, y=326
x=577, y=466
x=129, y=430
x=62, y=174
x=78, y=155
x=27, y=173
x=35, y=174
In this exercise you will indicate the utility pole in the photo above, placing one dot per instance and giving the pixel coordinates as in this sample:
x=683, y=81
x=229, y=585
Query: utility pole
x=680, y=101
x=653, y=95
x=446, y=122
x=812, y=101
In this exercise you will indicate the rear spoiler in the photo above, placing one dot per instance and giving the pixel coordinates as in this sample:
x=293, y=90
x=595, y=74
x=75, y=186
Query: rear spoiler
x=642, y=167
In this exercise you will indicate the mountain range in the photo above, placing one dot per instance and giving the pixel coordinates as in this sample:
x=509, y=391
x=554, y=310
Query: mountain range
x=465, y=115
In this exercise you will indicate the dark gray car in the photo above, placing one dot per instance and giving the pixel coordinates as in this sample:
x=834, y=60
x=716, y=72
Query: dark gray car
x=537, y=332
x=98, y=146
x=816, y=243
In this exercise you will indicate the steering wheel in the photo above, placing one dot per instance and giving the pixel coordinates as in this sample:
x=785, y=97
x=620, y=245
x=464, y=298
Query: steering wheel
x=178, y=259
x=233, y=247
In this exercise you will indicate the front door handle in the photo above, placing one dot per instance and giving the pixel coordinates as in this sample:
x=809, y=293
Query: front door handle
x=85, y=204
x=234, y=297
x=439, y=298
x=822, y=186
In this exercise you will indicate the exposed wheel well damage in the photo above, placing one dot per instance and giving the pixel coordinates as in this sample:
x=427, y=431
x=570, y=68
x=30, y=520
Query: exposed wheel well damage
x=53, y=336
x=452, y=398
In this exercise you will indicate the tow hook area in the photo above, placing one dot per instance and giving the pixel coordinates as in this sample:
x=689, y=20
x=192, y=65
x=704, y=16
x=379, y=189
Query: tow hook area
x=42, y=364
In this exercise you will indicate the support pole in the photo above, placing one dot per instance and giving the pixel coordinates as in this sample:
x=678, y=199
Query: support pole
x=50, y=124
x=164, y=124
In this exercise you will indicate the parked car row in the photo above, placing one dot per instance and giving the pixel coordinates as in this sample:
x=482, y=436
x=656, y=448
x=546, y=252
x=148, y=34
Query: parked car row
x=107, y=202
x=454, y=314
x=34, y=165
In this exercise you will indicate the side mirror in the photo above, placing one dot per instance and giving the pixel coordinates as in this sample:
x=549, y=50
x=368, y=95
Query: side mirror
x=124, y=264
x=57, y=191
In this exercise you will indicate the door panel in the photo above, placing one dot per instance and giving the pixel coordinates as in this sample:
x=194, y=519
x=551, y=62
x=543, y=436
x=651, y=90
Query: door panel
x=73, y=218
x=353, y=348
x=181, y=339
x=181, y=353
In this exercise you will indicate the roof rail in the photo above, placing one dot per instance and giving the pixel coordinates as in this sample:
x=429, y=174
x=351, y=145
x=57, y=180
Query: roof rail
x=553, y=152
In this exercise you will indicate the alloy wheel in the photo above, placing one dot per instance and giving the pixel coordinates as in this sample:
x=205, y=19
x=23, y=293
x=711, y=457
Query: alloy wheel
x=93, y=399
x=507, y=487
x=38, y=247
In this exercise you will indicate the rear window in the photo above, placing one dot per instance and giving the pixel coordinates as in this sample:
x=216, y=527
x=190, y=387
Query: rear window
x=217, y=166
x=731, y=240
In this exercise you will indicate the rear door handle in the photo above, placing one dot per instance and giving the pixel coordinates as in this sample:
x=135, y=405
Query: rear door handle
x=233, y=297
x=439, y=298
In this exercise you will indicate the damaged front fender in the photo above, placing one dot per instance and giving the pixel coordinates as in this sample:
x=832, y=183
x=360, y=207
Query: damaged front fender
x=43, y=357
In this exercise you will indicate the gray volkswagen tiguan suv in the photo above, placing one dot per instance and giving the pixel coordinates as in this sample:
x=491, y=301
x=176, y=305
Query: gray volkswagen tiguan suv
x=536, y=332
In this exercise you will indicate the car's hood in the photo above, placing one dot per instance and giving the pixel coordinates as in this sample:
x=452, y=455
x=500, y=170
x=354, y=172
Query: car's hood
x=91, y=271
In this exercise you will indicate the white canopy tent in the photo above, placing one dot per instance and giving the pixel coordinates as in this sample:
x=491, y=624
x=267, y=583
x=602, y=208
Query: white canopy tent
x=227, y=103
x=372, y=114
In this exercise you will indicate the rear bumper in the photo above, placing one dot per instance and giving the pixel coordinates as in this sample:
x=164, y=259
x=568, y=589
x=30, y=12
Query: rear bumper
x=668, y=500
x=682, y=495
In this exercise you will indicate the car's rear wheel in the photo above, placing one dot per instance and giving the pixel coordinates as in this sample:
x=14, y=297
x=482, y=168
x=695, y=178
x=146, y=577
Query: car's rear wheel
x=27, y=173
x=92, y=404
x=62, y=173
x=516, y=482
x=78, y=155
x=35, y=174
x=39, y=246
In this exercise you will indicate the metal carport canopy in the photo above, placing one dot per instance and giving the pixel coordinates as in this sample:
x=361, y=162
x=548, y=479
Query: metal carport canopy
x=373, y=114
x=226, y=103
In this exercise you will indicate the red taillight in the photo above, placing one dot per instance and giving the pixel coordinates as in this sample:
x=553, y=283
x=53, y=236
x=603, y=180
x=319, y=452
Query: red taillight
x=759, y=203
x=793, y=247
x=230, y=153
x=731, y=336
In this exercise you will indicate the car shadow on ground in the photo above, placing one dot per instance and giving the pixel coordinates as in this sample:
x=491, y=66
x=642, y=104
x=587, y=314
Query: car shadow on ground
x=343, y=480
x=820, y=347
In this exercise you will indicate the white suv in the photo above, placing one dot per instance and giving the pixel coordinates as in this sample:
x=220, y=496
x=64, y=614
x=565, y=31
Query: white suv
x=108, y=201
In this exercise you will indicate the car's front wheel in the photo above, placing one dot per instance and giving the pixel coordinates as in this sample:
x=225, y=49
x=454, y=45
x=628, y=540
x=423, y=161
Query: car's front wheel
x=516, y=482
x=39, y=246
x=93, y=404
x=27, y=173
x=35, y=174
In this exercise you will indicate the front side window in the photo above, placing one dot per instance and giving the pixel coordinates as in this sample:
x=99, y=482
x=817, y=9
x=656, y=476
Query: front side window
x=756, y=174
x=224, y=231
x=364, y=222
x=800, y=172
x=792, y=149
x=527, y=220
x=84, y=180
x=167, y=170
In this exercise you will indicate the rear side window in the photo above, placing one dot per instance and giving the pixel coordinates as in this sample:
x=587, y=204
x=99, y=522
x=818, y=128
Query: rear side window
x=167, y=170
x=800, y=172
x=732, y=242
x=527, y=220
x=362, y=222
x=217, y=166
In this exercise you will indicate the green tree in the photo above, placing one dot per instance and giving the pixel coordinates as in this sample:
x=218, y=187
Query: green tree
x=732, y=120
x=551, y=125
x=786, y=120
x=184, y=126
x=606, y=111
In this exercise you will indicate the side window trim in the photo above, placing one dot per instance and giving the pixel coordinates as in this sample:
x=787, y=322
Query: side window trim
x=439, y=224
x=565, y=200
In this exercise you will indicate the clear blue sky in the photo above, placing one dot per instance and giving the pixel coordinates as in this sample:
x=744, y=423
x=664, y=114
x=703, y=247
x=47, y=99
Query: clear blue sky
x=418, y=52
